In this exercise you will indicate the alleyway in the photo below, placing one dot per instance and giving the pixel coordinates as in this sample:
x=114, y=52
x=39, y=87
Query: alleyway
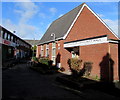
x=22, y=83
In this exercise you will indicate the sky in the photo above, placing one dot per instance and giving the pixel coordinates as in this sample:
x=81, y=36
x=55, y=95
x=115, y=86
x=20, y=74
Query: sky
x=30, y=20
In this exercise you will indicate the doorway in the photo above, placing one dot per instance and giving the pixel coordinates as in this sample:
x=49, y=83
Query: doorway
x=75, y=52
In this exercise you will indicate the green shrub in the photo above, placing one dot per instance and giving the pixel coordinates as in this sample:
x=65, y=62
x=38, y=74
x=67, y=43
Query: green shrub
x=87, y=67
x=35, y=59
x=75, y=66
x=46, y=61
x=94, y=77
x=97, y=78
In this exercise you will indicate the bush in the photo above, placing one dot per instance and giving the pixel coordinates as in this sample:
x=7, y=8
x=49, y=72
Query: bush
x=87, y=68
x=46, y=61
x=34, y=59
x=75, y=66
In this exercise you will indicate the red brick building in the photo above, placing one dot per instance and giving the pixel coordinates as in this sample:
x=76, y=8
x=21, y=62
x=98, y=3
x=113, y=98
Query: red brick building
x=82, y=33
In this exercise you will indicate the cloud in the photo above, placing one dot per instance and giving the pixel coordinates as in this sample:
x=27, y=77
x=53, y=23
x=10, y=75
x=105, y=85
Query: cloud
x=100, y=15
x=113, y=24
x=23, y=30
x=48, y=26
x=53, y=10
x=18, y=11
x=9, y=25
x=119, y=28
x=61, y=1
x=60, y=15
x=26, y=11
x=42, y=15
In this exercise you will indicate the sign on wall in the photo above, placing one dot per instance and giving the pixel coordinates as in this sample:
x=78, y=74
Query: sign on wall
x=86, y=42
x=6, y=42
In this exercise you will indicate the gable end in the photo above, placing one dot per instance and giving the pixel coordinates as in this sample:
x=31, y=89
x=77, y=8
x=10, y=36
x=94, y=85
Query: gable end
x=85, y=5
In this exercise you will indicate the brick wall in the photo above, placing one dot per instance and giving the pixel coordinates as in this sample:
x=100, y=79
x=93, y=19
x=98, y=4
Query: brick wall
x=38, y=51
x=50, y=50
x=86, y=26
x=95, y=54
x=65, y=55
x=114, y=56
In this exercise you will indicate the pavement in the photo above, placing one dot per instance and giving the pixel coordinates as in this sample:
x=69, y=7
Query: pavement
x=22, y=83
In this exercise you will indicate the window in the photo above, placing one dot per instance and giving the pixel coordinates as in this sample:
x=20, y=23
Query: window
x=75, y=52
x=18, y=41
x=53, y=45
x=15, y=39
x=42, y=52
x=5, y=35
x=12, y=38
x=8, y=37
x=53, y=52
x=47, y=50
x=1, y=33
x=58, y=46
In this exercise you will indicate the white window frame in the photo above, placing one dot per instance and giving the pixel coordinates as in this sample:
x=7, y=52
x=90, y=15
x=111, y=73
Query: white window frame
x=12, y=38
x=9, y=37
x=42, y=51
x=1, y=33
x=47, y=50
x=54, y=56
x=5, y=35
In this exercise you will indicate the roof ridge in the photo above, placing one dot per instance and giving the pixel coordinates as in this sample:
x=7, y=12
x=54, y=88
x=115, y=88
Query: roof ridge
x=69, y=11
x=68, y=18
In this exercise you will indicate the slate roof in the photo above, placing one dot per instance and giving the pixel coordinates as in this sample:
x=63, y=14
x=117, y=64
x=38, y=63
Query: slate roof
x=8, y=31
x=60, y=26
x=32, y=42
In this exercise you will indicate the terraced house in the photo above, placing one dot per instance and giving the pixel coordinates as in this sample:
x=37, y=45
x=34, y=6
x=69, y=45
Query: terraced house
x=12, y=47
x=82, y=33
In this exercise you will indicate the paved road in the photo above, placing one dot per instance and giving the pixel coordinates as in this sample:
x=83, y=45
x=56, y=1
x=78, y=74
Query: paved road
x=22, y=83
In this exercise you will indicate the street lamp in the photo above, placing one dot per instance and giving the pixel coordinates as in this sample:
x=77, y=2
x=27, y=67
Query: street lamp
x=53, y=50
x=53, y=35
x=14, y=32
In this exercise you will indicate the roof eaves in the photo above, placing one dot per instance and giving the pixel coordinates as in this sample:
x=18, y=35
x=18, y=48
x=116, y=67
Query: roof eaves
x=44, y=40
x=61, y=38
